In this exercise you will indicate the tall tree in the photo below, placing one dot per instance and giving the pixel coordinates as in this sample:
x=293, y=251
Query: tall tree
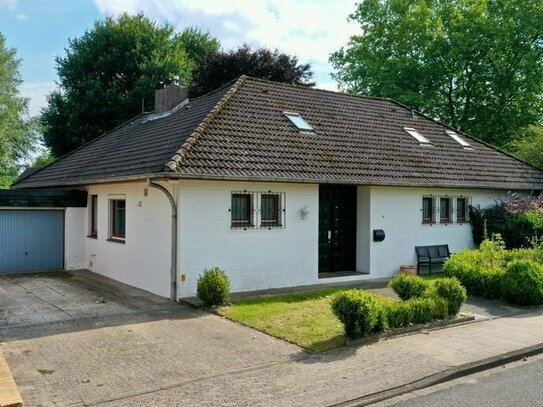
x=108, y=73
x=528, y=145
x=475, y=64
x=219, y=68
x=17, y=130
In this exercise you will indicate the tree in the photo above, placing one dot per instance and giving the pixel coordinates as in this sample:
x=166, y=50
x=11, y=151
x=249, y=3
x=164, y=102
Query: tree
x=42, y=160
x=219, y=68
x=17, y=130
x=528, y=145
x=109, y=75
x=475, y=64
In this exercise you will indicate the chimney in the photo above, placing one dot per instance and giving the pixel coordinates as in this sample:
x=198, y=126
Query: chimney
x=169, y=97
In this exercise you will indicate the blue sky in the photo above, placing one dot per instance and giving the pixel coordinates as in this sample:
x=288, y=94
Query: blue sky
x=40, y=30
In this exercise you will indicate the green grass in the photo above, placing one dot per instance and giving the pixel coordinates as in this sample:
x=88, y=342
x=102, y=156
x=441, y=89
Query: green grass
x=303, y=318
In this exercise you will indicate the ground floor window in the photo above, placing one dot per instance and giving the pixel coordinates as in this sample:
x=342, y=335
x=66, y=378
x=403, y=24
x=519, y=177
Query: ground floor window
x=257, y=209
x=242, y=210
x=117, y=218
x=444, y=208
x=93, y=219
x=428, y=210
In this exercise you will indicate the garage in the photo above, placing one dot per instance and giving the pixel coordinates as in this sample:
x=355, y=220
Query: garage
x=32, y=225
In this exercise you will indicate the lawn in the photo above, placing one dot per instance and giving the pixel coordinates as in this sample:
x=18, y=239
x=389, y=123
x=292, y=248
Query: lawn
x=302, y=318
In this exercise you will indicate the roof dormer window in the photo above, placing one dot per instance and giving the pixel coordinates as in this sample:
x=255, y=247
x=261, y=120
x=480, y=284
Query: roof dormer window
x=459, y=140
x=417, y=136
x=298, y=121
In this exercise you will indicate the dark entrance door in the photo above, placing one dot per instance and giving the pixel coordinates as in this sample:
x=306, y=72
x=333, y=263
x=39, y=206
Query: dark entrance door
x=337, y=228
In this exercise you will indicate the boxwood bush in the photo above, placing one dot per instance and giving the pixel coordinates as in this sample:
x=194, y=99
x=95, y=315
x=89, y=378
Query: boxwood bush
x=452, y=291
x=407, y=286
x=361, y=313
x=213, y=287
x=522, y=283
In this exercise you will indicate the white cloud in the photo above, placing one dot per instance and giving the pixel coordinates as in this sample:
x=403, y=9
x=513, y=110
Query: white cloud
x=9, y=4
x=309, y=29
x=21, y=17
x=37, y=93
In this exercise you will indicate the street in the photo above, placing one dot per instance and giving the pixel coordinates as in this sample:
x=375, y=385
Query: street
x=517, y=384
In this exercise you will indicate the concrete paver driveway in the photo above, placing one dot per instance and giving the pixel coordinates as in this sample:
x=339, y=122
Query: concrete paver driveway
x=82, y=339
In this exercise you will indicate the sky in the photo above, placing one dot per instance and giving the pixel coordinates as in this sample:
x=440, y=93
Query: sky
x=39, y=30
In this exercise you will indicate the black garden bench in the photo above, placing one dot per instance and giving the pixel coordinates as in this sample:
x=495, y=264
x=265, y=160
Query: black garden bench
x=428, y=255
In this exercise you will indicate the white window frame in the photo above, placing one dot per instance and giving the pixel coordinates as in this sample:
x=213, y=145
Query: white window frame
x=92, y=208
x=112, y=198
x=256, y=210
x=417, y=136
x=459, y=140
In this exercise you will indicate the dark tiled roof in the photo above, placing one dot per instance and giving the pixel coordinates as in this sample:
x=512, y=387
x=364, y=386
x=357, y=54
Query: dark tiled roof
x=240, y=131
x=140, y=146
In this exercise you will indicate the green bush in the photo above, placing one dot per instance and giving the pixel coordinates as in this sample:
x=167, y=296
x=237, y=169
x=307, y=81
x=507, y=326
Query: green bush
x=452, y=291
x=213, y=287
x=479, y=271
x=522, y=283
x=408, y=286
x=416, y=311
x=360, y=313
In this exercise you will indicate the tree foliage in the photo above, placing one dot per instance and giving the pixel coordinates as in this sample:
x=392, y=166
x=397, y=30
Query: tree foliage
x=475, y=64
x=219, y=68
x=528, y=145
x=17, y=131
x=106, y=74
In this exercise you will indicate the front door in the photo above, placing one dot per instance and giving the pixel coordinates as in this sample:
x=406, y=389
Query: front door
x=337, y=228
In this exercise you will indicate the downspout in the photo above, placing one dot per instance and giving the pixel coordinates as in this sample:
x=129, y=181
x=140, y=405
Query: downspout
x=173, y=269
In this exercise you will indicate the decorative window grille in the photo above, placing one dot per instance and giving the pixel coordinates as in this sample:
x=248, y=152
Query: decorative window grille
x=258, y=210
x=428, y=210
x=445, y=212
x=448, y=209
x=462, y=209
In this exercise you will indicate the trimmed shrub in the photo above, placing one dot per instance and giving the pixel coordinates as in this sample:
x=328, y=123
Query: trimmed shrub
x=416, y=311
x=479, y=271
x=408, y=286
x=213, y=287
x=452, y=291
x=522, y=283
x=360, y=313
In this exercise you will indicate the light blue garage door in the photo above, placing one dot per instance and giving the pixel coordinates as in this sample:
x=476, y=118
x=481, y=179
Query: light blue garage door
x=31, y=240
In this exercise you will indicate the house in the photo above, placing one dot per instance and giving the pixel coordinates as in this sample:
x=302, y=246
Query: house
x=278, y=185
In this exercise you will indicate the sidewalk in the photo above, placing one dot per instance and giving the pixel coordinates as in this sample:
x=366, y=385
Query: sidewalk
x=269, y=372
x=354, y=372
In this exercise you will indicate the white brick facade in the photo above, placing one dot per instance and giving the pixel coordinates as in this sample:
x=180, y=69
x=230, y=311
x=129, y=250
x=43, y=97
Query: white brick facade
x=254, y=259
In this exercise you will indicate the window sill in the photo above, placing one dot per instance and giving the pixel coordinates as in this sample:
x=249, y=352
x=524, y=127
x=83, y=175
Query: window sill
x=112, y=239
x=92, y=236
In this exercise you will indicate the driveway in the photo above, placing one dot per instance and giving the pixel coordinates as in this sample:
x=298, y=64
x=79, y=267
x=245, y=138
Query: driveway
x=82, y=339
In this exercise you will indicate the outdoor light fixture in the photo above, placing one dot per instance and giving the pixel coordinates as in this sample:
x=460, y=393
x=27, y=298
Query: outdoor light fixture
x=304, y=212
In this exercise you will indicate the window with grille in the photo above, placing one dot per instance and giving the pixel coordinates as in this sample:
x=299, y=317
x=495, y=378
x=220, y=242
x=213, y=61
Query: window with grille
x=428, y=210
x=269, y=210
x=444, y=210
x=258, y=209
x=462, y=209
x=242, y=210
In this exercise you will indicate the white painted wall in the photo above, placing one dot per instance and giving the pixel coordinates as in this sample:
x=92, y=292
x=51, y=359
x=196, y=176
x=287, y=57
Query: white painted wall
x=254, y=259
x=75, y=226
x=144, y=260
x=397, y=210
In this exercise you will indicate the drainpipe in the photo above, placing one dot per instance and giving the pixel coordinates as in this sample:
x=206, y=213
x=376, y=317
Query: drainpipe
x=173, y=269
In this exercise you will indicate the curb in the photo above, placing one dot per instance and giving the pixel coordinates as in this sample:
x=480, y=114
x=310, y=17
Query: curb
x=444, y=376
x=9, y=393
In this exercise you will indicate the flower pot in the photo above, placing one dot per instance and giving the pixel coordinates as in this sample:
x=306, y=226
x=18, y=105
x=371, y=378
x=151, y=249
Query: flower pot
x=408, y=269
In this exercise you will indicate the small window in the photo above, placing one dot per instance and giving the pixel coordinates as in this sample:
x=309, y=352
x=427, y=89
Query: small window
x=298, y=121
x=461, y=210
x=459, y=139
x=242, y=210
x=416, y=135
x=93, y=221
x=270, y=210
x=444, y=210
x=428, y=209
x=118, y=218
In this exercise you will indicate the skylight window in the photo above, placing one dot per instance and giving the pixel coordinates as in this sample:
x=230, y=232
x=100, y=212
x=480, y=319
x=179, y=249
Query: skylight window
x=156, y=116
x=417, y=136
x=298, y=121
x=459, y=139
